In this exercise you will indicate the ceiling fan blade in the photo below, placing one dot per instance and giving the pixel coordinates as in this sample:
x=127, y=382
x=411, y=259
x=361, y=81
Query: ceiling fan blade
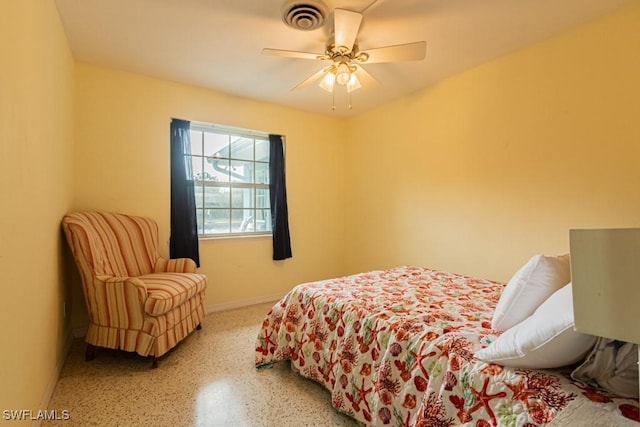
x=365, y=78
x=292, y=54
x=346, y=26
x=371, y=6
x=415, y=51
x=311, y=80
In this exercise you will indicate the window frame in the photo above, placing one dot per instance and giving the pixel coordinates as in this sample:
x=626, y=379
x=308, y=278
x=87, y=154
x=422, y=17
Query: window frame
x=201, y=208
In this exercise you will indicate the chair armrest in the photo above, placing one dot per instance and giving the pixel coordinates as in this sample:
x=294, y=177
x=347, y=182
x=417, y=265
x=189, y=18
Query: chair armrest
x=176, y=265
x=119, y=302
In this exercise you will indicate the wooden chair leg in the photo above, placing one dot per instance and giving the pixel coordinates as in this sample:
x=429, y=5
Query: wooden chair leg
x=199, y=326
x=90, y=352
x=154, y=363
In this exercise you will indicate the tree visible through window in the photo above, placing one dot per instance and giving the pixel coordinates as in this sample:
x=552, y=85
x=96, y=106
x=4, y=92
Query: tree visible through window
x=231, y=181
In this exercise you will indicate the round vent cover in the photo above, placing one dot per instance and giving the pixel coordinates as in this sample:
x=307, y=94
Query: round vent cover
x=304, y=15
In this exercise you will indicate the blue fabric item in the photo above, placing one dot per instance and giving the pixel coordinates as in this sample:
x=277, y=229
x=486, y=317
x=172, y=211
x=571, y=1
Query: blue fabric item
x=278, y=196
x=184, y=228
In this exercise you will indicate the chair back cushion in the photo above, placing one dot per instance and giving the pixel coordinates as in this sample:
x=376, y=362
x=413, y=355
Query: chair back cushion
x=112, y=244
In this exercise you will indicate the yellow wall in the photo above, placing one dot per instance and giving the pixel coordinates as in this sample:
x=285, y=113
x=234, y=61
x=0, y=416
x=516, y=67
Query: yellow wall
x=474, y=174
x=483, y=170
x=36, y=113
x=122, y=164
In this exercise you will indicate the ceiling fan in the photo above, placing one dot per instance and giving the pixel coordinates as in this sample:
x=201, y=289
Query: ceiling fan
x=342, y=49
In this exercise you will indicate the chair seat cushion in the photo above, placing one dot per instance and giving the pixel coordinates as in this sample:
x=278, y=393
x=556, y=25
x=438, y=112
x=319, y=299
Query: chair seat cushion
x=168, y=290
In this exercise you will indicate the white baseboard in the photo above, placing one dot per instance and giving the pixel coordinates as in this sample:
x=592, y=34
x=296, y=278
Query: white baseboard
x=242, y=303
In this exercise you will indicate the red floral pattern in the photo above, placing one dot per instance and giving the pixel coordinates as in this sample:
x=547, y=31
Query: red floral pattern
x=396, y=347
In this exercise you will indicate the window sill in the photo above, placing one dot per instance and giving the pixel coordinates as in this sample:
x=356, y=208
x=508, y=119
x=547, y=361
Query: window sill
x=233, y=236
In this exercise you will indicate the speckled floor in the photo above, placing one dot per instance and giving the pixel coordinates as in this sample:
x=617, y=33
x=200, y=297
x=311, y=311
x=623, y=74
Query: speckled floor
x=207, y=380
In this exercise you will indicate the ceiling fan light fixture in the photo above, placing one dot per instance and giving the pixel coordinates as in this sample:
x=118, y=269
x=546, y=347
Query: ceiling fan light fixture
x=353, y=83
x=328, y=81
x=343, y=74
x=342, y=49
x=362, y=57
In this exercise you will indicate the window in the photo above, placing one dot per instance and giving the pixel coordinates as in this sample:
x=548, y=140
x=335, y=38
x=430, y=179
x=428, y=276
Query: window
x=231, y=180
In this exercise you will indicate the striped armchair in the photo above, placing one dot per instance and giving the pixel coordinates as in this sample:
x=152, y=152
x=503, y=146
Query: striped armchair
x=136, y=300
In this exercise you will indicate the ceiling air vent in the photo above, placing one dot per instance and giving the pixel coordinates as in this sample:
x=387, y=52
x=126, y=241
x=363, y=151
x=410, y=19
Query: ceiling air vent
x=304, y=15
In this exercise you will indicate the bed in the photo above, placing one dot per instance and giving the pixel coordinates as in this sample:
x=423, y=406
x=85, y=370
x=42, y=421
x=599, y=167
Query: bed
x=397, y=347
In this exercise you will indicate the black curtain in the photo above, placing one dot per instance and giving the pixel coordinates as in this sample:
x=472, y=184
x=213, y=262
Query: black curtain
x=184, y=228
x=278, y=193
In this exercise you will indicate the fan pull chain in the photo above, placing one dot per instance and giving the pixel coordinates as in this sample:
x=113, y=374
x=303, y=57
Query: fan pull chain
x=349, y=100
x=333, y=100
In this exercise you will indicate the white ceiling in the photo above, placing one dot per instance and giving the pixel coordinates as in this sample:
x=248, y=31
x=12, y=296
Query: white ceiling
x=217, y=44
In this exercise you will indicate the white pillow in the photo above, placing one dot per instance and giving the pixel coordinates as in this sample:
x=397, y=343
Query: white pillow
x=546, y=339
x=540, y=277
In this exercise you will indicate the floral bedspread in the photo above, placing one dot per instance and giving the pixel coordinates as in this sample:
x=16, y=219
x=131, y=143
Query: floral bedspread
x=396, y=347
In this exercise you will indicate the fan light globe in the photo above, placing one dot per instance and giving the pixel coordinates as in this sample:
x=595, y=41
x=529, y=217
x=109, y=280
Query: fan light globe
x=328, y=81
x=353, y=83
x=343, y=74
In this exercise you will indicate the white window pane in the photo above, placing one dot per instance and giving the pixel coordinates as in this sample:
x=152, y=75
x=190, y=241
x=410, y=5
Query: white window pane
x=262, y=198
x=239, y=163
x=242, y=198
x=262, y=173
x=198, y=169
x=216, y=145
x=199, y=192
x=217, y=169
x=216, y=221
x=242, y=220
x=195, y=136
x=217, y=197
x=200, y=220
x=241, y=148
x=263, y=220
x=241, y=171
x=262, y=150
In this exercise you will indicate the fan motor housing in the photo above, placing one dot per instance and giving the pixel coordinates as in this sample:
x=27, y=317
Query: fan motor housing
x=305, y=15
